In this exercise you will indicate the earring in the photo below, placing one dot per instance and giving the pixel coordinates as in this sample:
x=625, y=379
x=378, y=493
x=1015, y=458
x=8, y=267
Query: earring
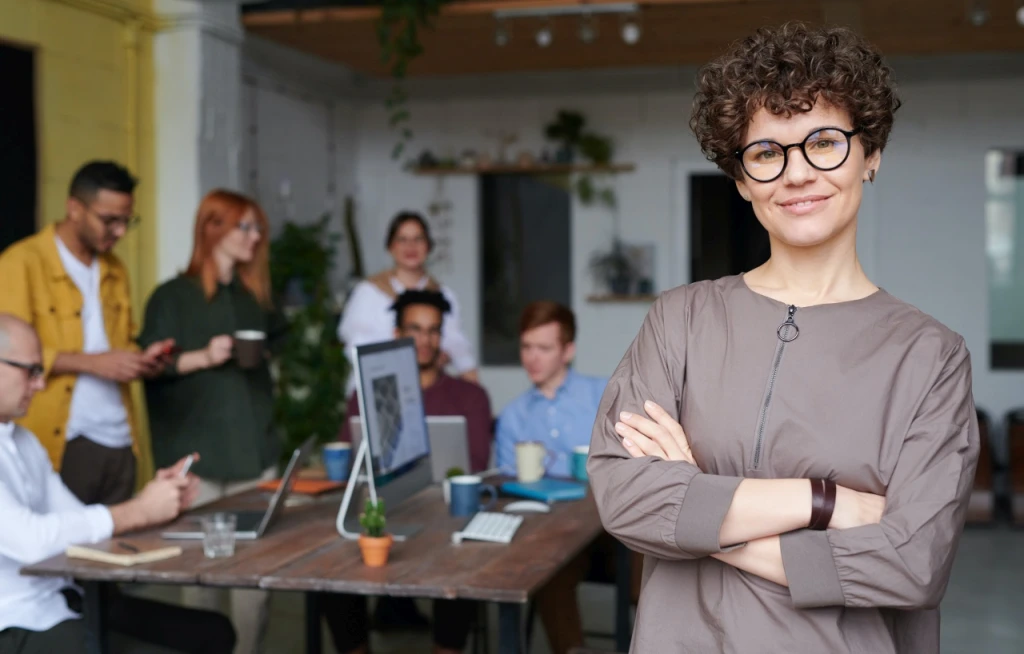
x=871, y=176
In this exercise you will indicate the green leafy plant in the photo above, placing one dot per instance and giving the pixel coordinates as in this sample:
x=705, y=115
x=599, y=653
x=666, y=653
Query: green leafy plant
x=398, y=32
x=311, y=369
x=598, y=149
x=614, y=269
x=372, y=518
x=454, y=472
x=569, y=130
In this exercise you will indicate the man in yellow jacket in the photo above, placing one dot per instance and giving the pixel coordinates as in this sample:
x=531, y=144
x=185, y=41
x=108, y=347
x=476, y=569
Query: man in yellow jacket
x=66, y=282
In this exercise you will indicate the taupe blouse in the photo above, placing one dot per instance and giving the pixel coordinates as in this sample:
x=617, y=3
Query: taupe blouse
x=873, y=394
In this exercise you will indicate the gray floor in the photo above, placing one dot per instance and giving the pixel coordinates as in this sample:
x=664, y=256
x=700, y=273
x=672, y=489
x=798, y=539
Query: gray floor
x=982, y=611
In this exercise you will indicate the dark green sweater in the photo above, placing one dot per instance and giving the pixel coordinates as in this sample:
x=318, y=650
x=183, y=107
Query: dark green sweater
x=225, y=413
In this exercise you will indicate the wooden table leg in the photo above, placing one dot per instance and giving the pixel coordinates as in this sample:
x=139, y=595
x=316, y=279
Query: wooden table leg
x=96, y=638
x=510, y=629
x=313, y=644
x=623, y=596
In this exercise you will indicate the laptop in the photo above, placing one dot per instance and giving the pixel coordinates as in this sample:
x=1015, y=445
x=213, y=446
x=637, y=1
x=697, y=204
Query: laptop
x=251, y=525
x=449, y=443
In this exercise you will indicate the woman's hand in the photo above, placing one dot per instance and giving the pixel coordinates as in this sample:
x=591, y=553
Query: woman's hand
x=856, y=509
x=219, y=350
x=661, y=435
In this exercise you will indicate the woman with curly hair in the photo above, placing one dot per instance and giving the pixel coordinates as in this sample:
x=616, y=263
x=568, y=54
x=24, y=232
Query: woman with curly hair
x=791, y=448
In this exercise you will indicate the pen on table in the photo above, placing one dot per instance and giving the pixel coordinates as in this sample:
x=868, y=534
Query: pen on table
x=128, y=546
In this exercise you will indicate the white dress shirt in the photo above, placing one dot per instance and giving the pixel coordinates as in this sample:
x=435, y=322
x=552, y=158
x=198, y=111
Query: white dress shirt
x=39, y=518
x=368, y=318
x=97, y=410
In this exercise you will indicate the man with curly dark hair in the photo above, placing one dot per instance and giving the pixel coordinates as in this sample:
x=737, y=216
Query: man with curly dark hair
x=791, y=448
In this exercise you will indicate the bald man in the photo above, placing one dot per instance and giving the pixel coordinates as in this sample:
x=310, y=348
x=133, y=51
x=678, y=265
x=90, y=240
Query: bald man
x=40, y=517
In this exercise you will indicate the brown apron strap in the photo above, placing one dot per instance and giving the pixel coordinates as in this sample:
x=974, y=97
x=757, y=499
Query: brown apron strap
x=382, y=280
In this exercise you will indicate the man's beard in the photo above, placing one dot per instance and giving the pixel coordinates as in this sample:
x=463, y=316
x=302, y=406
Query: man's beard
x=432, y=364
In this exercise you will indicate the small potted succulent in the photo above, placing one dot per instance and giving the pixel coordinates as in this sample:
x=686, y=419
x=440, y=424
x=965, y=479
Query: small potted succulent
x=374, y=543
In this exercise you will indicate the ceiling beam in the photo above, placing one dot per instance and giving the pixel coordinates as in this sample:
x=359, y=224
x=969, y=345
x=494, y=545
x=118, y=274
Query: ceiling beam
x=847, y=13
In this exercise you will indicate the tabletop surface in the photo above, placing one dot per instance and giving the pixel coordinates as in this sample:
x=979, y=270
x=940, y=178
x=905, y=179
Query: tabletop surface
x=302, y=551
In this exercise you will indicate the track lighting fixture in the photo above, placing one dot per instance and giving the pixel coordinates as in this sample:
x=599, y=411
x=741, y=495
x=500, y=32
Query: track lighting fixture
x=631, y=31
x=501, y=34
x=544, y=36
x=588, y=28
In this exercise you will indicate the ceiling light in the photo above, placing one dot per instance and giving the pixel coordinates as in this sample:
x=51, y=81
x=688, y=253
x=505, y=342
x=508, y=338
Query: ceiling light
x=588, y=29
x=978, y=13
x=631, y=31
x=544, y=37
x=1020, y=14
x=501, y=35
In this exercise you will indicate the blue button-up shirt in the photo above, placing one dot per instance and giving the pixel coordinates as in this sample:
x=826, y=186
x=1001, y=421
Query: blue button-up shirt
x=560, y=423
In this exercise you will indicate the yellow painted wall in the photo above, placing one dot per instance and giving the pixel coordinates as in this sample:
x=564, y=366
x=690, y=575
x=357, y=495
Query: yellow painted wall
x=94, y=100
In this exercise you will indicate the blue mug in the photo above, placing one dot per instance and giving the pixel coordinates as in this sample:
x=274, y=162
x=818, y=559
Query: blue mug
x=462, y=493
x=337, y=459
x=579, y=462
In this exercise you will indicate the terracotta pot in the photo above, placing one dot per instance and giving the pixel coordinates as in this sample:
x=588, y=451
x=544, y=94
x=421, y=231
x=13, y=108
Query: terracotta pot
x=375, y=550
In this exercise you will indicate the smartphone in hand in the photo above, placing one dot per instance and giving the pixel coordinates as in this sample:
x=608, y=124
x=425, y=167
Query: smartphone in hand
x=188, y=465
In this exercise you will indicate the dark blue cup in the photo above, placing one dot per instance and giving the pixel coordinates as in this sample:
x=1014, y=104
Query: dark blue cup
x=463, y=495
x=337, y=459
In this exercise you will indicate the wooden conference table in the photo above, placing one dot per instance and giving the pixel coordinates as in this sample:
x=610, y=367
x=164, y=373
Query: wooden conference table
x=303, y=552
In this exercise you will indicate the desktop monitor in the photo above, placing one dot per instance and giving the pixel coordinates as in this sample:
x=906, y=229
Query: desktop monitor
x=390, y=398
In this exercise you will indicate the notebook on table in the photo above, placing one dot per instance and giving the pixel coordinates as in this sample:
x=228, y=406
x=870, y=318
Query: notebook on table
x=546, y=490
x=120, y=553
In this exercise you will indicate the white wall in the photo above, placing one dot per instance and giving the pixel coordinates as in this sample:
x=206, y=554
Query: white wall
x=198, y=126
x=930, y=199
x=298, y=157
x=922, y=227
x=922, y=224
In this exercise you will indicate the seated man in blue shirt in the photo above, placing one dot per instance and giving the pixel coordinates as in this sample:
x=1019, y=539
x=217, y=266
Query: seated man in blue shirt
x=560, y=409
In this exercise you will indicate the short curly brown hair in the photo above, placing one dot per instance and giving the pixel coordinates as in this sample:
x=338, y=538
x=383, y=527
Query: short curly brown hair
x=785, y=70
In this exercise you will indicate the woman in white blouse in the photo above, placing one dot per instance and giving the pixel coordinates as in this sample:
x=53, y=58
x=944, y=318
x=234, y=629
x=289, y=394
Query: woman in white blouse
x=368, y=317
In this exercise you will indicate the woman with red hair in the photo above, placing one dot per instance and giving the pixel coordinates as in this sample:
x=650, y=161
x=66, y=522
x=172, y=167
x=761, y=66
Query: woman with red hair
x=206, y=401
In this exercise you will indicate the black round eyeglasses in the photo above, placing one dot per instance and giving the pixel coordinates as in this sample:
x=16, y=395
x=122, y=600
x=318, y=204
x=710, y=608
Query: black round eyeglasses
x=825, y=149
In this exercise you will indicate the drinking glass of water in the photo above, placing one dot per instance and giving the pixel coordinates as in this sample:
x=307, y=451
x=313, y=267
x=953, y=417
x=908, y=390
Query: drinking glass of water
x=218, y=535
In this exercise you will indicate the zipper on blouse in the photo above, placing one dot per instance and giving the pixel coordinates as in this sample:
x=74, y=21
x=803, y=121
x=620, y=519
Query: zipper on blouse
x=786, y=333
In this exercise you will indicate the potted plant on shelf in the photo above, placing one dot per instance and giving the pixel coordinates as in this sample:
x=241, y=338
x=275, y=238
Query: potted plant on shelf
x=374, y=543
x=566, y=129
x=614, y=269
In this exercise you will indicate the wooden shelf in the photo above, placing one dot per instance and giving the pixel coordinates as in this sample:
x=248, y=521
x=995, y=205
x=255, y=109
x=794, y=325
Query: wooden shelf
x=539, y=169
x=608, y=299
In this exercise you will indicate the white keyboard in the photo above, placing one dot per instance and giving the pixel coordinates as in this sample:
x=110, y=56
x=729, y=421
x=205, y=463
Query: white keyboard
x=491, y=527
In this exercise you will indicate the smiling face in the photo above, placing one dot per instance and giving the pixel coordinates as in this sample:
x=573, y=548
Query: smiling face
x=410, y=246
x=422, y=323
x=806, y=207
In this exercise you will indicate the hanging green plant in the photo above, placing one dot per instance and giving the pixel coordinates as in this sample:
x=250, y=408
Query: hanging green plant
x=398, y=32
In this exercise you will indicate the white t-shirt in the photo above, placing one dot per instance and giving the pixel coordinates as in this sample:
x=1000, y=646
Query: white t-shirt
x=97, y=410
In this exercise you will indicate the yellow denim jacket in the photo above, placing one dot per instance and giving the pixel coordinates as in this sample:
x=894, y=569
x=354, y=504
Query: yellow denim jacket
x=36, y=288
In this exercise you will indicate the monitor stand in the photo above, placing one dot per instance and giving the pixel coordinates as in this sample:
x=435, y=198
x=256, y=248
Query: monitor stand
x=393, y=493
